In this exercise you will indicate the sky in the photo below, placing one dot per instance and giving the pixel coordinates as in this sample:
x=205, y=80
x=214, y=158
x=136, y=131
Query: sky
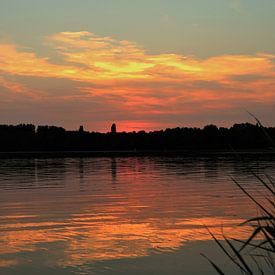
x=146, y=64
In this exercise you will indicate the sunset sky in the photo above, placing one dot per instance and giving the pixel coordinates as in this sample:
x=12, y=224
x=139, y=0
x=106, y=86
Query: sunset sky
x=145, y=64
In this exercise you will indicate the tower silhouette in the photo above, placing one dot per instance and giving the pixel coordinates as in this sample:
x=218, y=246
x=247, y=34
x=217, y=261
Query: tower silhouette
x=113, y=128
x=81, y=129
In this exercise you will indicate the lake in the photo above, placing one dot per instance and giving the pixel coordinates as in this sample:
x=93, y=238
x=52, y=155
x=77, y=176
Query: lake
x=123, y=215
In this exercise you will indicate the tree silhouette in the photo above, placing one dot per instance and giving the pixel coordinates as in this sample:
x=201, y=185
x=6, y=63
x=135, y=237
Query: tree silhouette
x=26, y=137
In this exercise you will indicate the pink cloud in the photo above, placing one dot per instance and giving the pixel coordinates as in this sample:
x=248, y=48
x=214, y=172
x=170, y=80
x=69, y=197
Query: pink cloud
x=122, y=76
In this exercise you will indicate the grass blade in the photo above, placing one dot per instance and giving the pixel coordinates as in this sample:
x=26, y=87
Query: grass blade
x=214, y=265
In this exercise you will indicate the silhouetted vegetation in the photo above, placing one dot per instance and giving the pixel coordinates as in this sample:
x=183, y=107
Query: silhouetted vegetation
x=256, y=255
x=27, y=137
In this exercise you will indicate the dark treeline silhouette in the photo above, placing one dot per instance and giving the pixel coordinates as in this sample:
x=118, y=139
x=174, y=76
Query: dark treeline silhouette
x=27, y=137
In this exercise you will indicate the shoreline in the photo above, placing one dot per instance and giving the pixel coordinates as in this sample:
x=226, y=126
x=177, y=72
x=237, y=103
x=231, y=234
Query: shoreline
x=92, y=154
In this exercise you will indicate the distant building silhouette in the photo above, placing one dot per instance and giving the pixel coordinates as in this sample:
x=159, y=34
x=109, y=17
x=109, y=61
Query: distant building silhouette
x=113, y=128
x=81, y=129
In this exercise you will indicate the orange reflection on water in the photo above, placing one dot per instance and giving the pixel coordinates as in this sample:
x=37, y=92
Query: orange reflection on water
x=140, y=207
x=7, y=263
x=84, y=239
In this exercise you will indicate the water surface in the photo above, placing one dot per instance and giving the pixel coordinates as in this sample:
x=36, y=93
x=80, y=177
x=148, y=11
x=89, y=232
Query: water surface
x=132, y=215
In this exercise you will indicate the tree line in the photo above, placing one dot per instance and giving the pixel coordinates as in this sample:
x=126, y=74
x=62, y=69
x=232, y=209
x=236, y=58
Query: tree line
x=28, y=137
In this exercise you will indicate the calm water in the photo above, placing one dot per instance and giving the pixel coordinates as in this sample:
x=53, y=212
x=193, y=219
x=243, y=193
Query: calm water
x=121, y=215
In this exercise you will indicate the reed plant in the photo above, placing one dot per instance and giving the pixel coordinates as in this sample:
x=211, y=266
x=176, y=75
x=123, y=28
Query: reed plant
x=256, y=255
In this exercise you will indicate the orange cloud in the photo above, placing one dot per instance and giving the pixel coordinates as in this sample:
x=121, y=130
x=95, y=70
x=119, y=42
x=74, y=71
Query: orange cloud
x=125, y=76
x=105, y=58
x=18, y=88
x=91, y=58
x=16, y=62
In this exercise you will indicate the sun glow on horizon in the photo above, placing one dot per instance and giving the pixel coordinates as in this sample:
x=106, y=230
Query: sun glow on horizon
x=122, y=78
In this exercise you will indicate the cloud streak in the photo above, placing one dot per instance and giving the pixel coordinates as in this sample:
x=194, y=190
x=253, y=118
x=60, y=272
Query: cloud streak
x=122, y=76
